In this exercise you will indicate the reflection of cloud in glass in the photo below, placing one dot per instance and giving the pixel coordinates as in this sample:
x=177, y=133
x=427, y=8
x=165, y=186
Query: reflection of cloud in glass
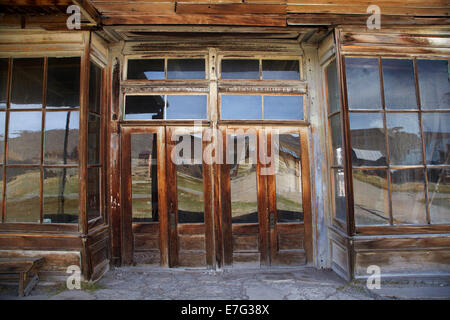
x=363, y=83
x=399, y=84
x=57, y=120
x=24, y=121
x=434, y=84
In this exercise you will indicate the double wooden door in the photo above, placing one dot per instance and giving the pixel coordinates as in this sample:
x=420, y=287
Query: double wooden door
x=231, y=197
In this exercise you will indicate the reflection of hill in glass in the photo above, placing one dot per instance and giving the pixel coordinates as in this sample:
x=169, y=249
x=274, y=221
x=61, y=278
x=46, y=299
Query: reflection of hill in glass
x=26, y=147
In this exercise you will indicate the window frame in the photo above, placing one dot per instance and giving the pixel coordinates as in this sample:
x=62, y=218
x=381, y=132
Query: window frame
x=429, y=226
x=41, y=165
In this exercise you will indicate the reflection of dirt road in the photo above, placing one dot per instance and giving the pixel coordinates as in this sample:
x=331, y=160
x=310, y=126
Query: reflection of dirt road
x=408, y=207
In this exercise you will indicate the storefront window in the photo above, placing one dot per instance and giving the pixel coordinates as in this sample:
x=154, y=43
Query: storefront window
x=40, y=127
x=400, y=140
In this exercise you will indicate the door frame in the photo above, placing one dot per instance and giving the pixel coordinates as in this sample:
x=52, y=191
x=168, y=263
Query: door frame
x=173, y=227
x=127, y=235
x=266, y=197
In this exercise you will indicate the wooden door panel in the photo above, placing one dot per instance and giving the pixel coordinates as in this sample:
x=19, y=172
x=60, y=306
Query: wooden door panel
x=143, y=242
x=190, y=243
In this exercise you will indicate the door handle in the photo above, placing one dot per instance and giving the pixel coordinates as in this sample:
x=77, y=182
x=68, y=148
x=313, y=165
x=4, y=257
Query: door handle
x=172, y=219
x=272, y=220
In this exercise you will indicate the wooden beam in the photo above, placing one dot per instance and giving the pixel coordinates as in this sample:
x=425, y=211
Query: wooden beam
x=88, y=10
x=356, y=19
x=234, y=8
x=196, y=19
x=35, y=3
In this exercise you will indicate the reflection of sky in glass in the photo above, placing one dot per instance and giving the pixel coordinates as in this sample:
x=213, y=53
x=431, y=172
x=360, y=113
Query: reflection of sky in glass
x=399, y=84
x=57, y=120
x=332, y=87
x=186, y=107
x=402, y=122
x=280, y=70
x=186, y=69
x=436, y=122
x=359, y=121
x=24, y=121
x=2, y=126
x=240, y=69
x=434, y=84
x=245, y=107
x=363, y=83
x=283, y=107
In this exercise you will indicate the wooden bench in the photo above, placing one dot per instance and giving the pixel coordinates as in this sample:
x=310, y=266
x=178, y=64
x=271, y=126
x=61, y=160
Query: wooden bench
x=26, y=268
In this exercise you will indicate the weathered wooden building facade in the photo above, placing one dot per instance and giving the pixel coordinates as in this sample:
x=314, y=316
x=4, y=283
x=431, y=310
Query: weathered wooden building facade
x=359, y=119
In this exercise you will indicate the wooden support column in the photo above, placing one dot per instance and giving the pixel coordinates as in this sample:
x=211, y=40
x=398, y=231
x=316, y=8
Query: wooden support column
x=83, y=159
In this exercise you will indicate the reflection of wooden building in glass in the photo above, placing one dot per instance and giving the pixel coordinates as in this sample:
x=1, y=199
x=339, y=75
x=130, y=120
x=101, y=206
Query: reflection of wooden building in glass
x=90, y=120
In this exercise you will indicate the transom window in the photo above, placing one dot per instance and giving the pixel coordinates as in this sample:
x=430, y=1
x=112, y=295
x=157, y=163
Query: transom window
x=260, y=69
x=261, y=107
x=232, y=99
x=162, y=107
x=166, y=69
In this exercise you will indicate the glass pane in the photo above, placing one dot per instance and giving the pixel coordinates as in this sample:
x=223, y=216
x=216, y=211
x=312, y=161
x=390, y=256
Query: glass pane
x=408, y=196
x=60, y=195
x=280, y=70
x=333, y=92
x=241, y=107
x=405, y=144
x=186, y=69
x=93, y=193
x=436, y=131
x=190, y=179
x=95, y=88
x=368, y=139
x=186, y=107
x=363, y=83
x=2, y=135
x=144, y=178
x=340, y=206
x=283, y=107
x=243, y=185
x=371, y=202
x=94, y=139
x=145, y=69
x=240, y=69
x=24, y=137
x=27, y=79
x=22, y=194
x=336, y=140
x=439, y=195
x=3, y=81
x=61, y=137
x=434, y=84
x=144, y=107
x=399, y=84
x=63, y=83
x=288, y=179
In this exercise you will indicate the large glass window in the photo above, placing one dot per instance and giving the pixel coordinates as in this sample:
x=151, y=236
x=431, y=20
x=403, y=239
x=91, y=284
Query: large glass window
x=40, y=165
x=399, y=143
